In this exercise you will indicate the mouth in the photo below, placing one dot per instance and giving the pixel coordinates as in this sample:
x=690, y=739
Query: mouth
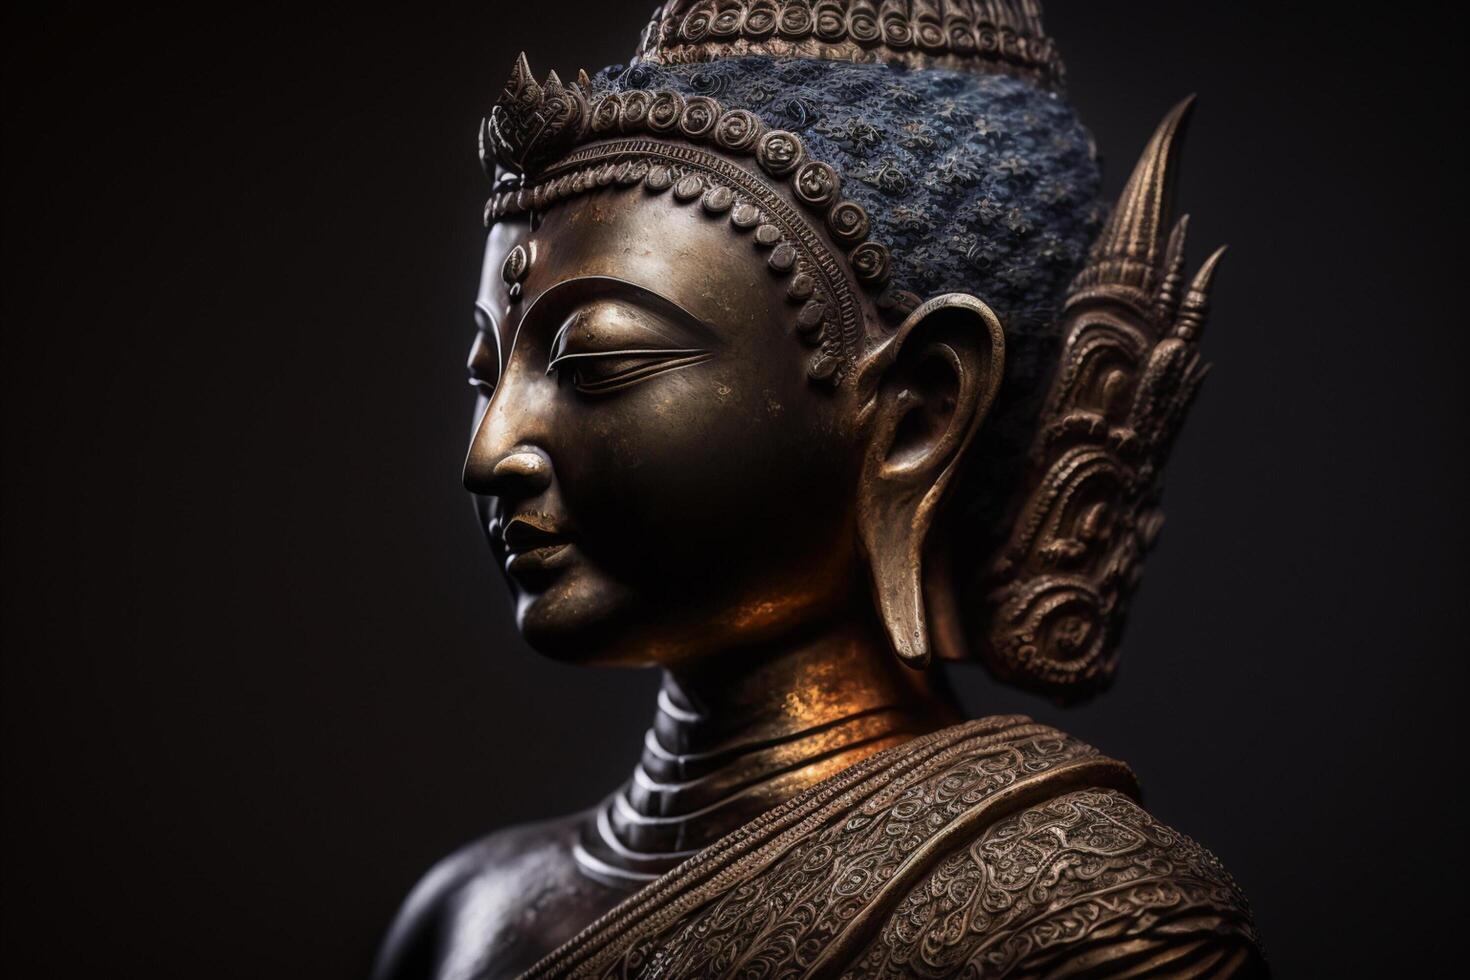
x=533, y=547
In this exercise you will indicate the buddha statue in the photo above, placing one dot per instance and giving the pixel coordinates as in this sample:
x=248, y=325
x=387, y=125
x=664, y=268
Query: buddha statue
x=807, y=358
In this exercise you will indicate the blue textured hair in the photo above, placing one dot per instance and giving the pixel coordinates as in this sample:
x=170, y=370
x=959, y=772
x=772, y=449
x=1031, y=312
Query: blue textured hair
x=984, y=184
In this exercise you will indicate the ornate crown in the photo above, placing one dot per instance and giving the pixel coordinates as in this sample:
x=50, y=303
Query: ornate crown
x=532, y=125
x=1002, y=36
x=1089, y=510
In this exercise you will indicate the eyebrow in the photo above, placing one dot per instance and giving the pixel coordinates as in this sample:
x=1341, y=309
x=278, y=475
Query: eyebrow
x=596, y=287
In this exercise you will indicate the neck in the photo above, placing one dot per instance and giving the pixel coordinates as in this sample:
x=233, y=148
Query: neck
x=739, y=735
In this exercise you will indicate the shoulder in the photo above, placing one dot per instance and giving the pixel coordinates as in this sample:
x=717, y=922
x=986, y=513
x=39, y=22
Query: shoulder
x=496, y=905
x=1082, y=883
x=999, y=847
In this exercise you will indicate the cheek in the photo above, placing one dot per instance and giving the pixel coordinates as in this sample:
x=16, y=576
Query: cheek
x=700, y=475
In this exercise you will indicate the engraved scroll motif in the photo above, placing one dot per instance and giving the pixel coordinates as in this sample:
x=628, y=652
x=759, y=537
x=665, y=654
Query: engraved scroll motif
x=999, y=847
x=1056, y=890
x=781, y=922
x=1130, y=367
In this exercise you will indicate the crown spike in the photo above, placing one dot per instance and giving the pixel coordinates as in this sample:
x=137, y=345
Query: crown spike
x=531, y=124
x=1128, y=251
x=1196, y=304
x=522, y=83
x=1166, y=297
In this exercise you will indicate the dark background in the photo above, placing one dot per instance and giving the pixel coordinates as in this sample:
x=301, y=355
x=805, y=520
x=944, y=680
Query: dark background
x=258, y=668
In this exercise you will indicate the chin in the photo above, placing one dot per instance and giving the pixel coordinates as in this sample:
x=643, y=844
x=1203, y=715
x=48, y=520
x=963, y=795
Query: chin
x=581, y=622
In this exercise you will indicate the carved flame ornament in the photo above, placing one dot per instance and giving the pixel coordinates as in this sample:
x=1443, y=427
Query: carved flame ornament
x=1130, y=367
x=532, y=124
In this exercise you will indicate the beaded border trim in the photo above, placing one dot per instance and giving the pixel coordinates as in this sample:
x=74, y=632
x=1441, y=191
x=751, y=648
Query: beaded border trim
x=999, y=36
x=700, y=119
x=534, y=125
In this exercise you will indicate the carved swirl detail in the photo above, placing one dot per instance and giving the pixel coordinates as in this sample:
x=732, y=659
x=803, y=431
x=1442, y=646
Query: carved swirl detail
x=1062, y=883
x=1089, y=509
x=999, y=847
x=781, y=922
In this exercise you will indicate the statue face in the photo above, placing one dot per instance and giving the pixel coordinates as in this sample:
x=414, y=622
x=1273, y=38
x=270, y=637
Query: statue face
x=653, y=467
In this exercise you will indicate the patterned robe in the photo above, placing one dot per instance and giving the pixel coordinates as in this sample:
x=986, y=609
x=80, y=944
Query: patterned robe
x=998, y=847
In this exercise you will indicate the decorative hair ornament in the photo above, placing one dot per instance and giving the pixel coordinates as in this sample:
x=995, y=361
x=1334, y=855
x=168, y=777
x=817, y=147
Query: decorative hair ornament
x=1130, y=367
x=983, y=36
x=532, y=126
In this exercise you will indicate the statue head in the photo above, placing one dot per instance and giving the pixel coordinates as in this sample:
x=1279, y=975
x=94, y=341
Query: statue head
x=774, y=329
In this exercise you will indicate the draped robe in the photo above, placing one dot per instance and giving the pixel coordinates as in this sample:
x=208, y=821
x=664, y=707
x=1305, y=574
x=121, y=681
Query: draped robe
x=998, y=847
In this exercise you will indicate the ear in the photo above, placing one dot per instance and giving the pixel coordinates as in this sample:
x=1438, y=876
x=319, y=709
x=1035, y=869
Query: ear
x=925, y=393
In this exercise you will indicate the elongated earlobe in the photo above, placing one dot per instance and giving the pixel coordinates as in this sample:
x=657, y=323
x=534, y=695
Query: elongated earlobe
x=928, y=390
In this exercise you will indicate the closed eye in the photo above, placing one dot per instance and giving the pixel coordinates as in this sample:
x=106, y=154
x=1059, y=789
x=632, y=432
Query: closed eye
x=611, y=346
x=604, y=372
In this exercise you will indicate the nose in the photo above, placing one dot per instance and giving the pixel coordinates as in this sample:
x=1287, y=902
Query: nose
x=524, y=471
x=509, y=458
x=502, y=461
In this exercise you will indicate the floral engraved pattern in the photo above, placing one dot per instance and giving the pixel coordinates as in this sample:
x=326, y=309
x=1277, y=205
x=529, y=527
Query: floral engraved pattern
x=999, y=847
x=781, y=922
x=1059, y=882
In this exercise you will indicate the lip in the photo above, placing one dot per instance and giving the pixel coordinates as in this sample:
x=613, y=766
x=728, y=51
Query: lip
x=538, y=560
x=527, y=532
x=533, y=546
